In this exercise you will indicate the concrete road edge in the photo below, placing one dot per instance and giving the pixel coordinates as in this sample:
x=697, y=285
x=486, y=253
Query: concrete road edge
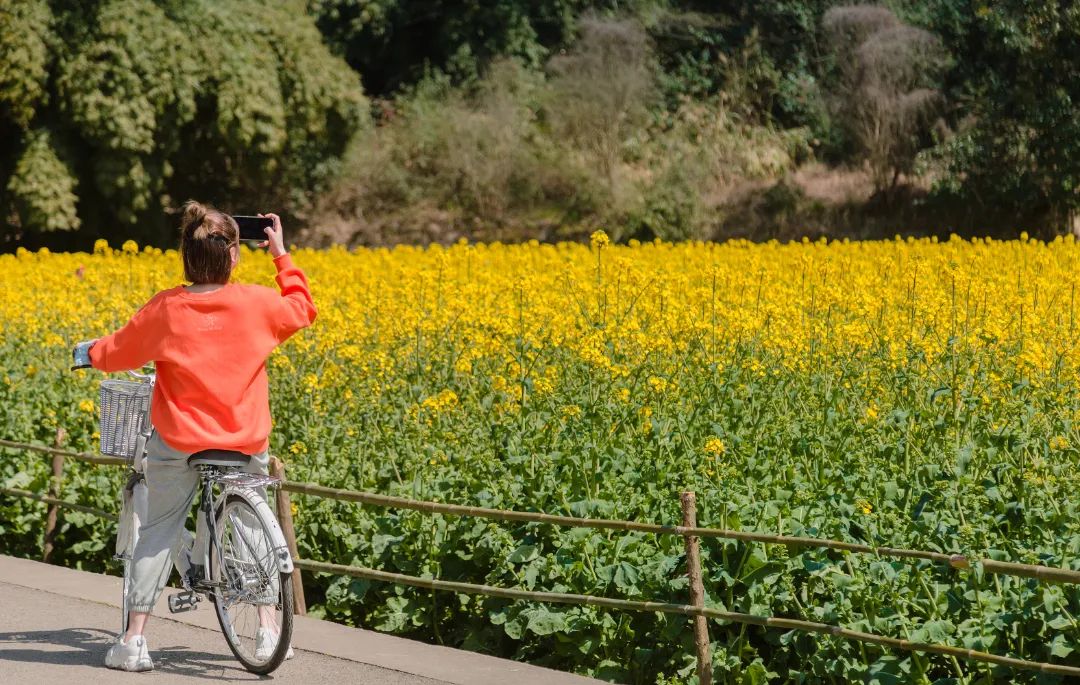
x=353, y=644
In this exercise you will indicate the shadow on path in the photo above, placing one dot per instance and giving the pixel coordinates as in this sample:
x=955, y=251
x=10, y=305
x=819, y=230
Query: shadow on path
x=87, y=647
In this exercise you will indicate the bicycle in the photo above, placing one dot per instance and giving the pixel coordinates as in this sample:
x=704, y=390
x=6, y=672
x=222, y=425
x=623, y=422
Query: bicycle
x=248, y=566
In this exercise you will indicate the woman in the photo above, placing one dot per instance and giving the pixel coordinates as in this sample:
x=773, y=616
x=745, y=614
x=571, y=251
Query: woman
x=209, y=342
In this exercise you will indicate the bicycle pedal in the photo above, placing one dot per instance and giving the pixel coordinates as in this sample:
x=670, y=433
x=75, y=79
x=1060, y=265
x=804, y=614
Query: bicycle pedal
x=183, y=601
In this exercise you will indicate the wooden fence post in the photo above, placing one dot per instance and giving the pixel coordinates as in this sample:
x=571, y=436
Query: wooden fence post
x=284, y=512
x=54, y=492
x=697, y=589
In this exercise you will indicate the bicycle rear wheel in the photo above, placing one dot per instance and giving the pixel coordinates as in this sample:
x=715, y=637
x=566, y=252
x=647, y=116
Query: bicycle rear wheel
x=253, y=598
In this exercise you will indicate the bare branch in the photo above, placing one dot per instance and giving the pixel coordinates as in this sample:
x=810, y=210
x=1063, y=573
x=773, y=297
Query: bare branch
x=884, y=94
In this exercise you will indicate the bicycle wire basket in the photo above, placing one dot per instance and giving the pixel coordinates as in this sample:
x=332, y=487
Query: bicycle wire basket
x=125, y=414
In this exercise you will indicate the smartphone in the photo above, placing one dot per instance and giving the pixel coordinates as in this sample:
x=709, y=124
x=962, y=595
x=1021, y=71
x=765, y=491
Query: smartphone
x=252, y=227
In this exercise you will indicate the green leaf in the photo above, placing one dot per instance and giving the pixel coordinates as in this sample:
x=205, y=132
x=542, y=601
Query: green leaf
x=1059, y=622
x=626, y=576
x=542, y=621
x=523, y=554
x=380, y=541
x=1060, y=647
x=756, y=674
x=515, y=627
x=19, y=481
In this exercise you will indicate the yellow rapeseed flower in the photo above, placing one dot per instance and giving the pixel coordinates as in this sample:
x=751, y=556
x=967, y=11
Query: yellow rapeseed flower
x=543, y=386
x=715, y=446
x=662, y=318
x=657, y=384
x=444, y=401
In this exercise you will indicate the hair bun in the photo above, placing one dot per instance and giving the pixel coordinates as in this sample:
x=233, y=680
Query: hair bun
x=193, y=215
x=206, y=235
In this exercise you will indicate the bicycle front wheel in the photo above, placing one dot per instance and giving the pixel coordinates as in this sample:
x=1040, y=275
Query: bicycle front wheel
x=253, y=598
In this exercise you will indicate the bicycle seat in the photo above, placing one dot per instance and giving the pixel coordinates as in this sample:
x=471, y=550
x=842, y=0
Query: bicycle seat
x=218, y=458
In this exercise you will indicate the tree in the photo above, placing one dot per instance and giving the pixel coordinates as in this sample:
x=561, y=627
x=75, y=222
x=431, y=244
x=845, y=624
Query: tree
x=884, y=87
x=33, y=174
x=602, y=88
x=1016, y=156
x=113, y=110
x=393, y=43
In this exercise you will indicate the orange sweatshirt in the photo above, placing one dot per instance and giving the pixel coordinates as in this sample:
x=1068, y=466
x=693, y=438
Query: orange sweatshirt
x=210, y=350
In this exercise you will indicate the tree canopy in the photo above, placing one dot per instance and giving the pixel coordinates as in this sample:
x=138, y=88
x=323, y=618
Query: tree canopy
x=112, y=110
x=1016, y=98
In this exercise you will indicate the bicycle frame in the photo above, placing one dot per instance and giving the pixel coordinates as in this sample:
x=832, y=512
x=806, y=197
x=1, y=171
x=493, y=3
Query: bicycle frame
x=237, y=482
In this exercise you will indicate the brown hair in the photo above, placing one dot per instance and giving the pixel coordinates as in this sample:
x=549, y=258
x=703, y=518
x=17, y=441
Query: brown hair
x=206, y=235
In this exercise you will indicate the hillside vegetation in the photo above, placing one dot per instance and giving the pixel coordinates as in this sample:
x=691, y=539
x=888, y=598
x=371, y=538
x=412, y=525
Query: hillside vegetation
x=386, y=121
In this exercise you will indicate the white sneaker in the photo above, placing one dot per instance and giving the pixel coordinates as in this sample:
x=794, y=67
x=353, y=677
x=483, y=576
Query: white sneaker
x=265, y=643
x=130, y=656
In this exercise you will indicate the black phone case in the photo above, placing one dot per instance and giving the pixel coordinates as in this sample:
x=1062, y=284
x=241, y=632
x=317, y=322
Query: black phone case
x=252, y=227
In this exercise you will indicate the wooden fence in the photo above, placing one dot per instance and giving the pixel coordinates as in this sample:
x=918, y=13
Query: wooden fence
x=688, y=530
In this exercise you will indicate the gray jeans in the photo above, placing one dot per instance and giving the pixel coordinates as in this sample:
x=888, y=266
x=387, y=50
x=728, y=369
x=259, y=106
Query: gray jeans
x=171, y=487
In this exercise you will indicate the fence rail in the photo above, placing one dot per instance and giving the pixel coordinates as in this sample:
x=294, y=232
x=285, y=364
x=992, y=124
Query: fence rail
x=958, y=561
x=686, y=610
x=696, y=609
x=90, y=457
x=100, y=513
x=953, y=560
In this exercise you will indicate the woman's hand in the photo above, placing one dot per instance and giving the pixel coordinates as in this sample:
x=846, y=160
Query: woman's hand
x=275, y=237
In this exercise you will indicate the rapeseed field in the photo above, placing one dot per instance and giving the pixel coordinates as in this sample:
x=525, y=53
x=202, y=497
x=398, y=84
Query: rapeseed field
x=909, y=393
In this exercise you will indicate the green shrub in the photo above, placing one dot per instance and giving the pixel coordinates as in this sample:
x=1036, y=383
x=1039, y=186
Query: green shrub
x=478, y=151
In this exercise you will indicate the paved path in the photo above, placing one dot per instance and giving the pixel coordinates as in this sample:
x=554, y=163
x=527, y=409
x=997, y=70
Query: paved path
x=55, y=624
x=47, y=638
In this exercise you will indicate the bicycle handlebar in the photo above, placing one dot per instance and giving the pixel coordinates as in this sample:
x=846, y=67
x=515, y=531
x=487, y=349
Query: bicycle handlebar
x=81, y=360
x=80, y=355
